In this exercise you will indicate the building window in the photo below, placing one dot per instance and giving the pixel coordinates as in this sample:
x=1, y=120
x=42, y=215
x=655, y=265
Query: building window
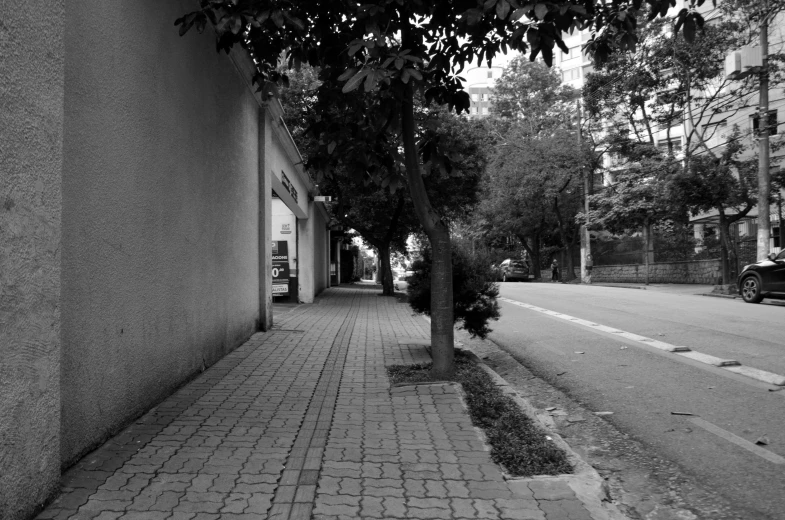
x=475, y=97
x=474, y=110
x=775, y=235
x=572, y=74
x=665, y=145
x=484, y=110
x=485, y=96
x=772, y=123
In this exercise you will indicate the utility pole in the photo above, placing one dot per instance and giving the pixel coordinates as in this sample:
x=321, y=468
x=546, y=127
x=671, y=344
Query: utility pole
x=586, y=265
x=764, y=179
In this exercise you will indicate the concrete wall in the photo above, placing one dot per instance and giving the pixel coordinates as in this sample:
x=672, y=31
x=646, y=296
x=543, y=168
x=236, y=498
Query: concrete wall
x=312, y=239
x=160, y=266
x=700, y=272
x=321, y=252
x=31, y=126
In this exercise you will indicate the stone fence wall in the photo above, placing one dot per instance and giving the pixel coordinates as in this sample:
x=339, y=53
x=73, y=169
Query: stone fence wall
x=699, y=272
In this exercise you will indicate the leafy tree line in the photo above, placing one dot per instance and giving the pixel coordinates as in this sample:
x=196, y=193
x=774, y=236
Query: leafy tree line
x=647, y=93
x=395, y=50
x=533, y=185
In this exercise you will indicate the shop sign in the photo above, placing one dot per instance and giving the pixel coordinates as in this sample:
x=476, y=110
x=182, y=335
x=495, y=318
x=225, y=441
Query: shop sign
x=280, y=267
x=288, y=185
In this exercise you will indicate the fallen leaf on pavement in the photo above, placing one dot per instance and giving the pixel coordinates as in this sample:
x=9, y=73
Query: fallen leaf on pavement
x=550, y=408
x=623, y=348
x=561, y=373
x=682, y=413
x=603, y=413
x=762, y=440
x=579, y=352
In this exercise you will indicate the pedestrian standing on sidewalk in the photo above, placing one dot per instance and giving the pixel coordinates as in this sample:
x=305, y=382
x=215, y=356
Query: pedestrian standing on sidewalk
x=555, y=271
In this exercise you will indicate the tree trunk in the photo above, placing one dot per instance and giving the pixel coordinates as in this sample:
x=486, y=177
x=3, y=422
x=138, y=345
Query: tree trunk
x=386, y=270
x=732, y=262
x=442, y=322
x=568, y=268
x=569, y=264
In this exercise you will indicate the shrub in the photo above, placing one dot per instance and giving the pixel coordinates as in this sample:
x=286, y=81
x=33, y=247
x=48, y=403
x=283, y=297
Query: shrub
x=474, y=289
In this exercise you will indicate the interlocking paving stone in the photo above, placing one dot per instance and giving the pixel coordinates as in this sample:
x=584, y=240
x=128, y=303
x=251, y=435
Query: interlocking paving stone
x=300, y=422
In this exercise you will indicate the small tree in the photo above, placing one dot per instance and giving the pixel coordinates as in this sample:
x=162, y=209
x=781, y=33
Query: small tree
x=473, y=283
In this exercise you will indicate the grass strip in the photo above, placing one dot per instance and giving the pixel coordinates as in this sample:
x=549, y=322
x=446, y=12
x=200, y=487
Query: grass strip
x=517, y=444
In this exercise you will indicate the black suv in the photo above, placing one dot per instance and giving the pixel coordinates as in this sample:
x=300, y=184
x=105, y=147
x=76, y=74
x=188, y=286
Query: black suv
x=764, y=279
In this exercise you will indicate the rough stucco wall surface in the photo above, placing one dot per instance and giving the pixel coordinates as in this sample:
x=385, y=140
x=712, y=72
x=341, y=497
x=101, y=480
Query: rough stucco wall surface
x=160, y=212
x=31, y=121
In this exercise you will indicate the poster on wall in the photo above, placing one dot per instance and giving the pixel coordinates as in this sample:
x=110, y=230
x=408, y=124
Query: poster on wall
x=280, y=267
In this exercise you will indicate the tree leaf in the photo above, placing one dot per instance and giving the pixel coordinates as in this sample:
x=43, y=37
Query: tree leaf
x=348, y=73
x=502, y=9
x=488, y=5
x=370, y=81
x=540, y=10
x=473, y=16
x=398, y=63
x=331, y=147
x=405, y=75
x=294, y=21
x=518, y=13
x=689, y=29
x=355, y=81
x=277, y=18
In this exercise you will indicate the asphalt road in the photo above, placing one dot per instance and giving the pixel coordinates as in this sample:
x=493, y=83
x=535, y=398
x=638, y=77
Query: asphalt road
x=643, y=385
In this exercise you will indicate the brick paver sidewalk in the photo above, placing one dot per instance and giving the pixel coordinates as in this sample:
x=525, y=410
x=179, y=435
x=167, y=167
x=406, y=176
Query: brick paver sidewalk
x=300, y=423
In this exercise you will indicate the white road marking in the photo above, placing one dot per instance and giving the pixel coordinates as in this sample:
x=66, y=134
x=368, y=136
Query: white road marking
x=727, y=364
x=735, y=439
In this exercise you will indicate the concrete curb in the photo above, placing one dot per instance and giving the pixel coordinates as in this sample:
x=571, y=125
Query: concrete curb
x=616, y=286
x=588, y=485
x=717, y=295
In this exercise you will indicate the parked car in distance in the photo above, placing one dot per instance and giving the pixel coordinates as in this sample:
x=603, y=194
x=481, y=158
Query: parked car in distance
x=512, y=269
x=764, y=279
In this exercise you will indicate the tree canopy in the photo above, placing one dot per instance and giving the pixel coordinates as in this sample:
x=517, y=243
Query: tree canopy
x=393, y=49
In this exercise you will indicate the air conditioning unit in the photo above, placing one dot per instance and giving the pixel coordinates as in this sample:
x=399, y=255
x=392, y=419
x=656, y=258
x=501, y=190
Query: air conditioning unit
x=743, y=62
x=733, y=65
